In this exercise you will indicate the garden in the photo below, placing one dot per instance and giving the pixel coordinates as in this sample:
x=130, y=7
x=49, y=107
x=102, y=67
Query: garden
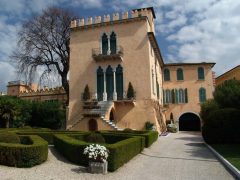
x=100, y=151
x=221, y=121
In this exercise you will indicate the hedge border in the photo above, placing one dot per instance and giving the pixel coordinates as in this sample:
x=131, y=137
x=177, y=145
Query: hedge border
x=20, y=155
x=149, y=136
x=120, y=152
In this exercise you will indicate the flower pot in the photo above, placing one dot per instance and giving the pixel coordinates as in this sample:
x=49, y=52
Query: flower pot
x=98, y=167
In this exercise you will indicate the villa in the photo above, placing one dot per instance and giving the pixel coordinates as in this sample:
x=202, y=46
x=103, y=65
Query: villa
x=113, y=54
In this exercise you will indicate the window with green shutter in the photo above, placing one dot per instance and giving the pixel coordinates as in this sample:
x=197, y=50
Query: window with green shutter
x=180, y=74
x=100, y=83
x=200, y=73
x=166, y=74
x=104, y=44
x=113, y=43
x=202, y=94
x=186, y=95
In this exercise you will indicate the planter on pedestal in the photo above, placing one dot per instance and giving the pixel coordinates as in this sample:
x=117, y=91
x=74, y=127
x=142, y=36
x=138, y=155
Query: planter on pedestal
x=98, y=167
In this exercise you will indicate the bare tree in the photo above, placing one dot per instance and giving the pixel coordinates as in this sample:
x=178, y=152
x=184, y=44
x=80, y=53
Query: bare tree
x=44, y=44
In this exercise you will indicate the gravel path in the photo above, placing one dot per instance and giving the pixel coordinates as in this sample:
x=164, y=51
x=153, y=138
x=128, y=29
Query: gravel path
x=177, y=156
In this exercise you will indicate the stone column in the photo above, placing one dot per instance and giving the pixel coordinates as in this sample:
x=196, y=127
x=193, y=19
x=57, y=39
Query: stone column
x=114, y=86
x=104, y=89
x=109, y=50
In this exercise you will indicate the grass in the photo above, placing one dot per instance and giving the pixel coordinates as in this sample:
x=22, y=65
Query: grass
x=231, y=152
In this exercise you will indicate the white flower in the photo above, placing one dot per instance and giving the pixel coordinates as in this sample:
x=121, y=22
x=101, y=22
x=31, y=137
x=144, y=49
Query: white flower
x=96, y=152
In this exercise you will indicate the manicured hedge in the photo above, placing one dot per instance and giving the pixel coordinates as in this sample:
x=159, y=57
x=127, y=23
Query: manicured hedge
x=222, y=126
x=34, y=151
x=48, y=135
x=150, y=136
x=120, y=152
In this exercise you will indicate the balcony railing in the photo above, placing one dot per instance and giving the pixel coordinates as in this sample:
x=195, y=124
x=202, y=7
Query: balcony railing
x=99, y=55
x=119, y=97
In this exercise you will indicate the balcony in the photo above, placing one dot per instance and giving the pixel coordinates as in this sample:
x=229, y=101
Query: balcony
x=99, y=55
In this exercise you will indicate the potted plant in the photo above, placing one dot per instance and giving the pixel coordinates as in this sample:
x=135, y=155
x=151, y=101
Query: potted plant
x=97, y=156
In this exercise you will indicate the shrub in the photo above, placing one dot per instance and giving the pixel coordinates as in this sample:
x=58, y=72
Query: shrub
x=227, y=95
x=149, y=136
x=130, y=91
x=222, y=126
x=48, y=135
x=95, y=138
x=86, y=93
x=172, y=128
x=9, y=137
x=21, y=155
x=47, y=114
x=149, y=126
x=207, y=107
x=120, y=152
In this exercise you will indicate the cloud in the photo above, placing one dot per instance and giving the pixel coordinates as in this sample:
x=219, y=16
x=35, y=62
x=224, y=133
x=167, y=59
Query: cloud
x=7, y=73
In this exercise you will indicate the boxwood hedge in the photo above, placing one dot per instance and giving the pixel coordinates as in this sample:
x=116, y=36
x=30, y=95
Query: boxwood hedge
x=48, y=135
x=33, y=151
x=149, y=136
x=120, y=152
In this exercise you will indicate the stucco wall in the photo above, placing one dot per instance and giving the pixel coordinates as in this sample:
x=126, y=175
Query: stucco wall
x=192, y=84
x=232, y=74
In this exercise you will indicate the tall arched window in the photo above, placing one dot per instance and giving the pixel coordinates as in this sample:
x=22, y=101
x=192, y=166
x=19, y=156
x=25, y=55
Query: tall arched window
x=100, y=83
x=166, y=75
x=164, y=97
x=168, y=96
x=113, y=43
x=181, y=96
x=202, y=94
x=119, y=82
x=109, y=82
x=200, y=73
x=179, y=74
x=186, y=95
x=104, y=44
x=176, y=96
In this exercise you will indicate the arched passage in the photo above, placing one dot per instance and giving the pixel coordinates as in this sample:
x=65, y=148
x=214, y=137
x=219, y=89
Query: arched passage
x=92, y=125
x=111, y=116
x=189, y=122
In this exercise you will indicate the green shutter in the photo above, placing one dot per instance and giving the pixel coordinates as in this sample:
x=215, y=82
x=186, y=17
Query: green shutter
x=166, y=75
x=119, y=82
x=201, y=73
x=109, y=82
x=173, y=96
x=176, y=96
x=104, y=44
x=186, y=95
x=113, y=43
x=100, y=83
x=179, y=74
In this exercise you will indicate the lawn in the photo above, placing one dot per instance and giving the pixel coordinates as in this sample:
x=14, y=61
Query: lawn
x=231, y=152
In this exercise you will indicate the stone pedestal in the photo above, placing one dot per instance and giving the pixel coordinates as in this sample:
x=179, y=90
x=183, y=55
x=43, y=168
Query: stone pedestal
x=98, y=167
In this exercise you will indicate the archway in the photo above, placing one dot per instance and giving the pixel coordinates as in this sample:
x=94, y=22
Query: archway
x=92, y=125
x=111, y=116
x=189, y=122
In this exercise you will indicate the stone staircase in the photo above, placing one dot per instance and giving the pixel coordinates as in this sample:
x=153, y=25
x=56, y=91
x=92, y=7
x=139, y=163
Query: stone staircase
x=111, y=124
x=96, y=109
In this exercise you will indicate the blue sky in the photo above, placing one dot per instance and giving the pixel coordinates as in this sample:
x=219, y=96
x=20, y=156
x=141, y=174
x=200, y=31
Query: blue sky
x=186, y=30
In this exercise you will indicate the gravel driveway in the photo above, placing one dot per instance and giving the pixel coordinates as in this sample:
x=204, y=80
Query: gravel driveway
x=177, y=156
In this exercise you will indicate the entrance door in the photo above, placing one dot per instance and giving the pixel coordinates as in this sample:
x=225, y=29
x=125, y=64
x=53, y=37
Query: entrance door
x=92, y=125
x=109, y=83
x=119, y=82
x=189, y=122
x=100, y=83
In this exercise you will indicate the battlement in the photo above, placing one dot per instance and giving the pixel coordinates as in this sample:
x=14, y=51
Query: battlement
x=136, y=13
x=44, y=91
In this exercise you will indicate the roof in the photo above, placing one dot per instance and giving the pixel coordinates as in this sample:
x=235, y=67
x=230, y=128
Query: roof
x=183, y=64
x=155, y=46
x=148, y=8
x=229, y=71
